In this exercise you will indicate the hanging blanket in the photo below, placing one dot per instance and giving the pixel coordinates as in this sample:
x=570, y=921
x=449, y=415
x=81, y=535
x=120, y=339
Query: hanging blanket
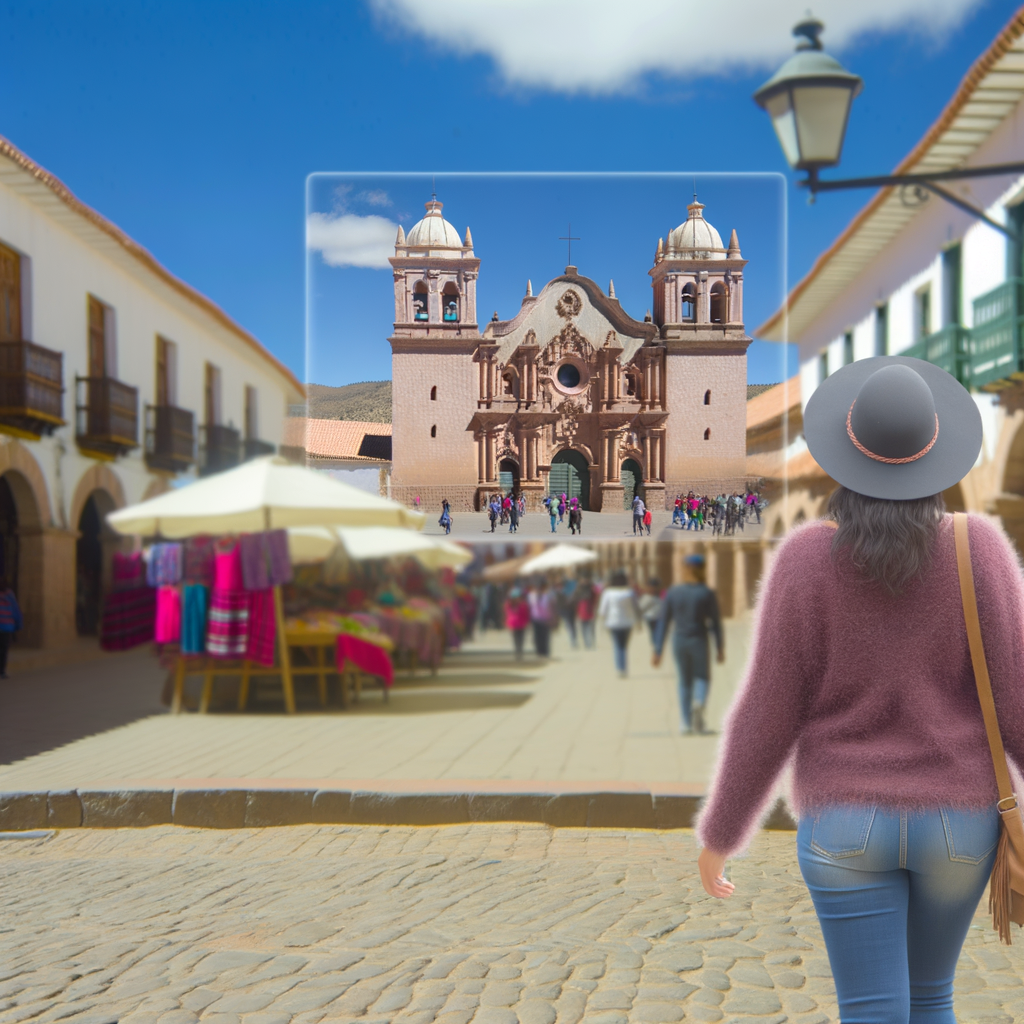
x=262, y=627
x=367, y=657
x=168, y=615
x=198, y=567
x=164, y=568
x=194, y=601
x=128, y=618
x=227, y=633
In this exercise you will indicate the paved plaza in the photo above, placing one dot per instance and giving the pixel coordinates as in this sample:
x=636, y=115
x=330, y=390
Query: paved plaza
x=476, y=526
x=489, y=924
x=483, y=717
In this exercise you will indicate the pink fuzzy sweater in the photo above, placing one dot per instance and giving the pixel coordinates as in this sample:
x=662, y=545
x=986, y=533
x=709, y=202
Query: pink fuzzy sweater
x=870, y=698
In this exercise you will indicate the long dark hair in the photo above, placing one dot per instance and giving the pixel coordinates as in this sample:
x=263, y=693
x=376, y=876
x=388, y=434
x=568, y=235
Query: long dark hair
x=889, y=541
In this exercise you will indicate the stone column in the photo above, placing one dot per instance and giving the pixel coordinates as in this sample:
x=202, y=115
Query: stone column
x=481, y=458
x=489, y=457
x=648, y=467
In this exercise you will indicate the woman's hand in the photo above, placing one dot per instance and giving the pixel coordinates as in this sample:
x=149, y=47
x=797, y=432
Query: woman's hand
x=711, y=866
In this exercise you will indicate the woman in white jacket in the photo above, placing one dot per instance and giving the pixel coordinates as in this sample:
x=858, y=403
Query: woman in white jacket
x=619, y=612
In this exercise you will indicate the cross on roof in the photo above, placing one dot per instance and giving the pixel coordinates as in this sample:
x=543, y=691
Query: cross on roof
x=570, y=238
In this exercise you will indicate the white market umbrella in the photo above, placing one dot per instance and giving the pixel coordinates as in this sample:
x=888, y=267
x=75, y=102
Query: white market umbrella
x=561, y=556
x=315, y=543
x=264, y=494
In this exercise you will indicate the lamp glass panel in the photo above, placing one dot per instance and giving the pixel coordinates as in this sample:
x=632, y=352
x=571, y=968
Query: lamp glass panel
x=821, y=122
x=780, y=109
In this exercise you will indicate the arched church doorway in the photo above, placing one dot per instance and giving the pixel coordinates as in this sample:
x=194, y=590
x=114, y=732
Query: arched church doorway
x=508, y=476
x=570, y=475
x=91, y=556
x=632, y=478
x=9, y=548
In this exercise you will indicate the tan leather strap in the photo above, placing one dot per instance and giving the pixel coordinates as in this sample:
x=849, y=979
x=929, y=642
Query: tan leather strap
x=981, y=677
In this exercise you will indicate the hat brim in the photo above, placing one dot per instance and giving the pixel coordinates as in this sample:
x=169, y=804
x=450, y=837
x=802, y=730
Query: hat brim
x=951, y=458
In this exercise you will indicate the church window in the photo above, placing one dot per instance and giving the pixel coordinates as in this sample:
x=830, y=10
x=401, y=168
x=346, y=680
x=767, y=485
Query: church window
x=718, y=310
x=569, y=376
x=707, y=434
x=450, y=303
x=433, y=393
x=689, y=308
x=707, y=397
x=433, y=430
x=419, y=302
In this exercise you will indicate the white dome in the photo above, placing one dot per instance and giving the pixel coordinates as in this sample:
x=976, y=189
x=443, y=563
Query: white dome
x=434, y=231
x=695, y=238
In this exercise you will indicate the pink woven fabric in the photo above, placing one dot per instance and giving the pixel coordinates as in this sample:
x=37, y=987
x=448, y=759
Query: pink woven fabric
x=168, y=615
x=262, y=627
x=227, y=633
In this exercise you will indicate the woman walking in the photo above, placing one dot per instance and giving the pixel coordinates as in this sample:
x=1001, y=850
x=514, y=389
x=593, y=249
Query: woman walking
x=860, y=676
x=446, y=516
x=618, y=609
x=517, y=619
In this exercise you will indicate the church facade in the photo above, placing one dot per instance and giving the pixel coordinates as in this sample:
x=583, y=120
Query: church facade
x=571, y=394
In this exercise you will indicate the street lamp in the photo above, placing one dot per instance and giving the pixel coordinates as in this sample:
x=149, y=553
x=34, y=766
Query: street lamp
x=809, y=100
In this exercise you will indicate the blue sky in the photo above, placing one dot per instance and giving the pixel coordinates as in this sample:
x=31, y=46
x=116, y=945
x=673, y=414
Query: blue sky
x=194, y=126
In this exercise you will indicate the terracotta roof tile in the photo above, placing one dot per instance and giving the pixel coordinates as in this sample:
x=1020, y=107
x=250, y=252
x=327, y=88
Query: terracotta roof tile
x=339, y=439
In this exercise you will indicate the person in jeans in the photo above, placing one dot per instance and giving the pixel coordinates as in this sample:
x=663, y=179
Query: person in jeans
x=638, y=515
x=543, y=615
x=691, y=610
x=10, y=622
x=860, y=678
x=619, y=612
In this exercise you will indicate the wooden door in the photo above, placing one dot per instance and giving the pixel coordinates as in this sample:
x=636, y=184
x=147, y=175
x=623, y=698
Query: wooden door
x=97, y=338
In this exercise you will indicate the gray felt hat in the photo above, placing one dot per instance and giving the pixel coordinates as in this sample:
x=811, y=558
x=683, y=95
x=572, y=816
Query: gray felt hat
x=893, y=427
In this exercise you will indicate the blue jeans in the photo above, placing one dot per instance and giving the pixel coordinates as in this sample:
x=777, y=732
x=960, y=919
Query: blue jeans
x=620, y=641
x=895, y=893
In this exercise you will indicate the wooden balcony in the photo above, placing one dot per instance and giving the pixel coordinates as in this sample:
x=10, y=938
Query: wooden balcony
x=106, y=417
x=170, y=438
x=220, y=449
x=995, y=343
x=31, y=389
x=254, y=448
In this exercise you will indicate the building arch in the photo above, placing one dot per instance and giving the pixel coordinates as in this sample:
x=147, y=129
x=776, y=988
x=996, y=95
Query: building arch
x=508, y=474
x=451, y=303
x=97, y=478
x=631, y=476
x=570, y=474
x=718, y=307
x=37, y=511
x=688, y=303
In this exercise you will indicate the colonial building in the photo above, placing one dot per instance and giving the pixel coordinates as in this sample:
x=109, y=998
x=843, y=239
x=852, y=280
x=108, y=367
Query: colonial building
x=116, y=377
x=571, y=394
x=928, y=280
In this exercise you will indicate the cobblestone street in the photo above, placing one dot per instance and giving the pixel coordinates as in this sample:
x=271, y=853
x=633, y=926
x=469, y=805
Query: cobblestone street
x=494, y=924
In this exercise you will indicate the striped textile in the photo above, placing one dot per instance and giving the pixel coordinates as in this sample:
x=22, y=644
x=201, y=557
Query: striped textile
x=227, y=628
x=262, y=627
x=128, y=619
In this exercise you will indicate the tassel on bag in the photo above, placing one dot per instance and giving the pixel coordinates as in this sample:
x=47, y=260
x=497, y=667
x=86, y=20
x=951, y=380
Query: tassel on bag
x=1006, y=886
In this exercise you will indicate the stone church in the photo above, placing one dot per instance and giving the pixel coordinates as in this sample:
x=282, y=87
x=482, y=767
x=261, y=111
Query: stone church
x=571, y=394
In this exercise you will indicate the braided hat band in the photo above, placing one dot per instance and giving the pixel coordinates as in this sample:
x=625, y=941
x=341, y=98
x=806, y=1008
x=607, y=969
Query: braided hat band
x=881, y=458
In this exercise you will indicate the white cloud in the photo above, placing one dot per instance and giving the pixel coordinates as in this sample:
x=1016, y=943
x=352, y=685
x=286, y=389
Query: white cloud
x=345, y=240
x=607, y=46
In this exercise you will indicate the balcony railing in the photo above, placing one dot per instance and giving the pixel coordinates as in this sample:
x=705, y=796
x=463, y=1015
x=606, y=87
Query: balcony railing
x=31, y=388
x=219, y=449
x=106, y=416
x=948, y=348
x=253, y=448
x=170, y=438
x=995, y=348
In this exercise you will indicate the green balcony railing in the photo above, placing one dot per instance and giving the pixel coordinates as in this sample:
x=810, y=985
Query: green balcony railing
x=995, y=339
x=948, y=348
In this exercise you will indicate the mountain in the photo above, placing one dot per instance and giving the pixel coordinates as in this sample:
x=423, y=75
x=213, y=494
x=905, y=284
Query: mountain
x=369, y=401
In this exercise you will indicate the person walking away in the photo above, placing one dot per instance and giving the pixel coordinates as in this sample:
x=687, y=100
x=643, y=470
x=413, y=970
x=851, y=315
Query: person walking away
x=638, y=515
x=517, y=618
x=586, y=609
x=542, y=617
x=553, y=513
x=567, y=608
x=10, y=622
x=861, y=678
x=446, y=516
x=619, y=612
x=650, y=605
x=513, y=517
x=561, y=509
x=648, y=519
x=575, y=520
x=691, y=609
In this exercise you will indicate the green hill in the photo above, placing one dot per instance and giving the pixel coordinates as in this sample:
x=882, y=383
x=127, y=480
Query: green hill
x=369, y=401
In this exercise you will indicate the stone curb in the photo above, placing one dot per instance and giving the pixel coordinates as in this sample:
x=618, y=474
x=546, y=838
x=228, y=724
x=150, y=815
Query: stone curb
x=261, y=808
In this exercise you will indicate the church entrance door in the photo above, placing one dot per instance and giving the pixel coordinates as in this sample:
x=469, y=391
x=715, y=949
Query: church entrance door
x=508, y=476
x=632, y=479
x=570, y=475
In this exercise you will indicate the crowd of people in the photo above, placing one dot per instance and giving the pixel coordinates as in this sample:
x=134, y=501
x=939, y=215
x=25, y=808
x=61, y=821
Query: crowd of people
x=689, y=612
x=724, y=513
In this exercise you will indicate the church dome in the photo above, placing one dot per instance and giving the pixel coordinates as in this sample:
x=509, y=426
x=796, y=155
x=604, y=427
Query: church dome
x=695, y=238
x=434, y=231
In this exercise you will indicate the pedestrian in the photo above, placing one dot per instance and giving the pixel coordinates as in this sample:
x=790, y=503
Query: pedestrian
x=542, y=616
x=575, y=520
x=567, y=608
x=522, y=505
x=517, y=618
x=619, y=612
x=638, y=515
x=493, y=511
x=561, y=508
x=650, y=605
x=416, y=501
x=677, y=510
x=553, y=514
x=861, y=679
x=10, y=621
x=690, y=609
x=648, y=519
x=586, y=609
x=446, y=516
x=513, y=517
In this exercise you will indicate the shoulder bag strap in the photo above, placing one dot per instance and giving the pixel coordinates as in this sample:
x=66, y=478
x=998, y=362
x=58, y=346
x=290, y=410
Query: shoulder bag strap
x=981, y=677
